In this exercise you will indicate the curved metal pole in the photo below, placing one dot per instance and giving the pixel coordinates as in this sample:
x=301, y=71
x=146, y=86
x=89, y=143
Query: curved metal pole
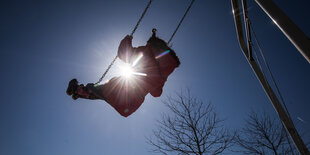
x=285, y=119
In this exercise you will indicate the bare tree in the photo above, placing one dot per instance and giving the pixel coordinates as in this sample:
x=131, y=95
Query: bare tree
x=263, y=134
x=192, y=127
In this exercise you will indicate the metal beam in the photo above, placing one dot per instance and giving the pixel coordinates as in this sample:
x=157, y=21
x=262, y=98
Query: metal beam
x=285, y=119
x=247, y=28
x=287, y=26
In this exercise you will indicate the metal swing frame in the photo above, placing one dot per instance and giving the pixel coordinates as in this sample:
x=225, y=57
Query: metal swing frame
x=298, y=39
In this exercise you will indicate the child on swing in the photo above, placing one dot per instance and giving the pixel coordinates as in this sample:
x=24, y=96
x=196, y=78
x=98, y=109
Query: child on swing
x=125, y=95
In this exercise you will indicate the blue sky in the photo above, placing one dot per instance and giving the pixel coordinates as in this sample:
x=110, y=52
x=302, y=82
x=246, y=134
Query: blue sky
x=44, y=44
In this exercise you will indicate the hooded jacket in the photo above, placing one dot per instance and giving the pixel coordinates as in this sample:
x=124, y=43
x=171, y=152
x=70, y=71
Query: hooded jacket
x=157, y=61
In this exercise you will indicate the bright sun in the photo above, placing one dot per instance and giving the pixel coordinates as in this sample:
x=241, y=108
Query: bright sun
x=127, y=70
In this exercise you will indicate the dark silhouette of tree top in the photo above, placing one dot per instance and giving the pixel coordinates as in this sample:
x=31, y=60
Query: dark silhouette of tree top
x=263, y=134
x=192, y=127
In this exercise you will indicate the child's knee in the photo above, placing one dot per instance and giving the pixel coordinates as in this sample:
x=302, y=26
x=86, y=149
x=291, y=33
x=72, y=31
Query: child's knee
x=126, y=112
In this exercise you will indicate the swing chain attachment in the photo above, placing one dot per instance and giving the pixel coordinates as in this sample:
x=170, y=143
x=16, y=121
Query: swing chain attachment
x=133, y=31
x=139, y=21
x=177, y=28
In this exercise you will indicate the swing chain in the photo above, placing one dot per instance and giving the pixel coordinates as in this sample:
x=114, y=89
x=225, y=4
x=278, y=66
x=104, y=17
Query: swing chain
x=135, y=28
x=138, y=23
x=133, y=31
x=175, y=31
x=103, y=75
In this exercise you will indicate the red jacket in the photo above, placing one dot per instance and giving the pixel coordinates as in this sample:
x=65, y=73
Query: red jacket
x=158, y=62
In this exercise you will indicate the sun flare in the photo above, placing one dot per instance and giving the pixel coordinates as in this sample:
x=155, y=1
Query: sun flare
x=127, y=71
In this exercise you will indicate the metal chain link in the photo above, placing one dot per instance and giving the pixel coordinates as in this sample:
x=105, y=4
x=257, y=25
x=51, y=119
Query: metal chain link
x=145, y=10
x=103, y=75
x=133, y=31
x=175, y=31
x=135, y=28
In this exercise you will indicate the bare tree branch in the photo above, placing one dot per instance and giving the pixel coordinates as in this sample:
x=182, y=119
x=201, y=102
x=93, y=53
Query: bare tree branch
x=192, y=127
x=263, y=135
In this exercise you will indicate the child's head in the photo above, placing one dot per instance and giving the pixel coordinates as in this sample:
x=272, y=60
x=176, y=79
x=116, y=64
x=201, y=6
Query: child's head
x=158, y=43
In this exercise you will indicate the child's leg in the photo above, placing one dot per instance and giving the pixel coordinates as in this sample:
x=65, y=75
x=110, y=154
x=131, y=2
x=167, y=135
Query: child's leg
x=124, y=96
x=80, y=91
x=88, y=92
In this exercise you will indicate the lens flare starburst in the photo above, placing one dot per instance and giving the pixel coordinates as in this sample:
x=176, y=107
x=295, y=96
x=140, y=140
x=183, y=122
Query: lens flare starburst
x=128, y=70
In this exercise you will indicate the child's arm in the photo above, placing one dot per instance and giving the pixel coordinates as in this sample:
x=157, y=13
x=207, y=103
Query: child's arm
x=125, y=49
